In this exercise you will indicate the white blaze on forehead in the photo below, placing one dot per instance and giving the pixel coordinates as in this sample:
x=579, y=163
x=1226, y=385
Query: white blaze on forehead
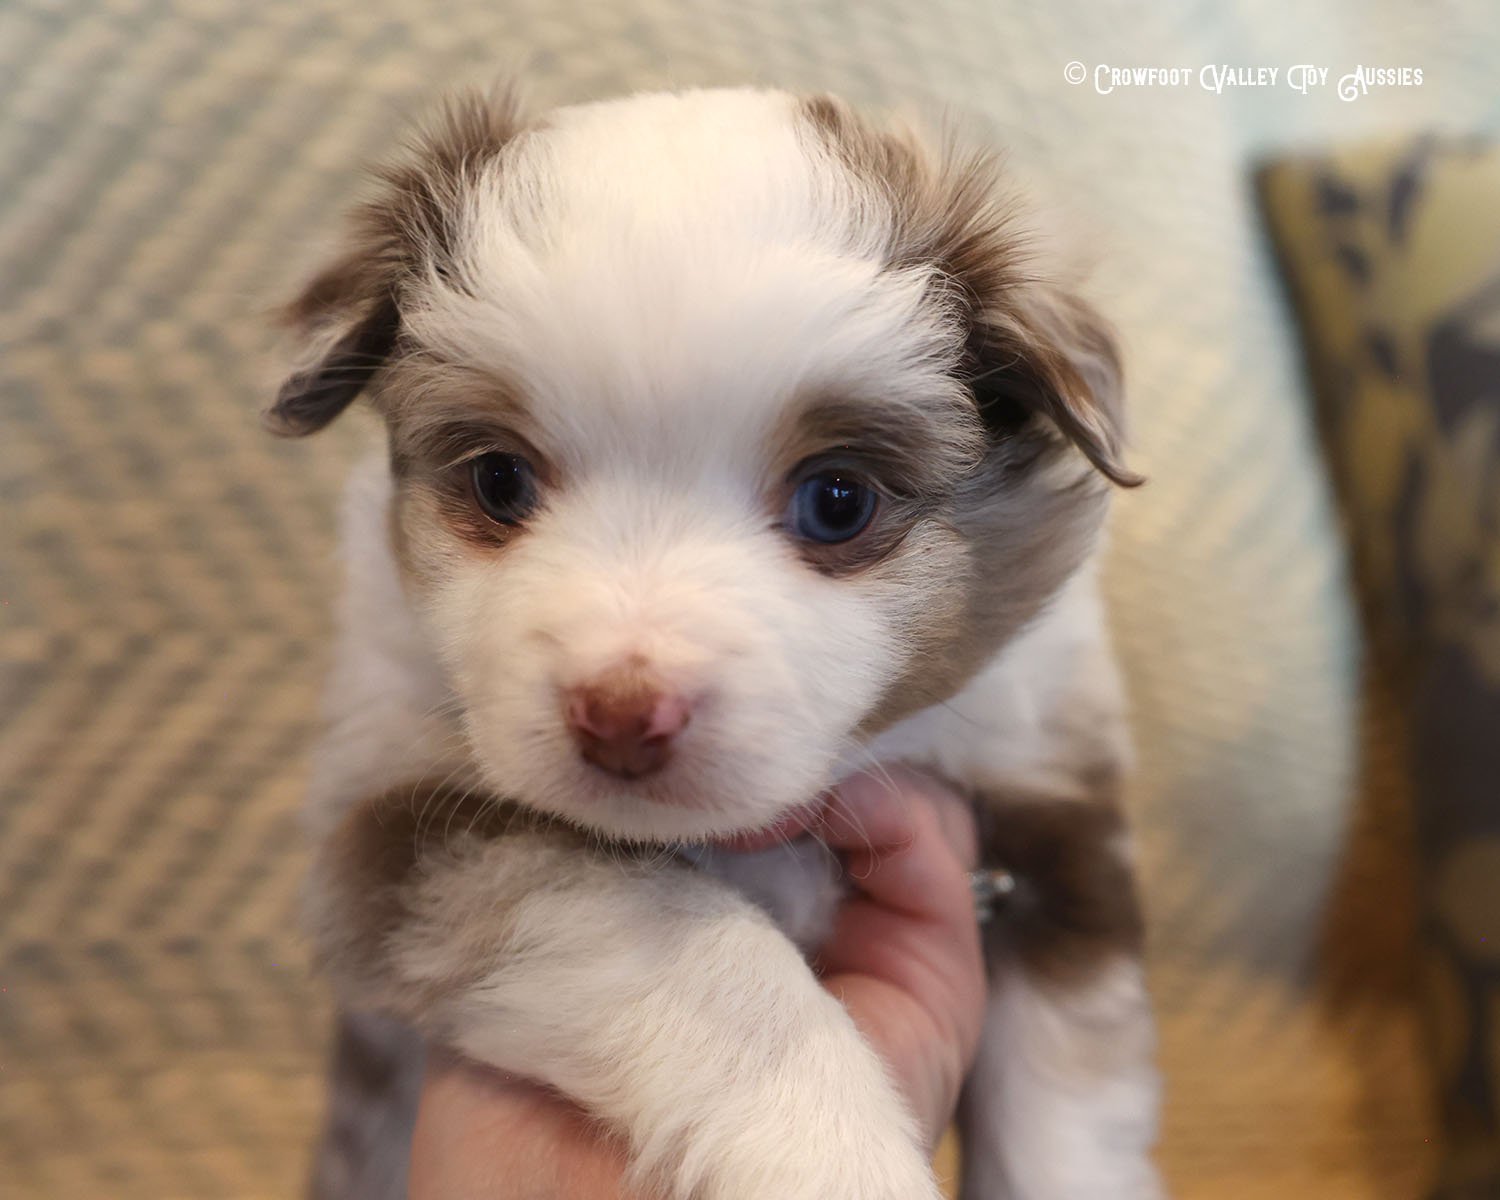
x=677, y=268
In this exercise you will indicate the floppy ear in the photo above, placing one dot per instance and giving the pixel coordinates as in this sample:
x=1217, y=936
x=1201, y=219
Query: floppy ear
x=349, y=316
x=351, y=324
x=1049, y=351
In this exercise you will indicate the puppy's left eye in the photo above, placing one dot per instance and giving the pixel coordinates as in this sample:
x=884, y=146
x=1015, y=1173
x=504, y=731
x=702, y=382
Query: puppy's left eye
x=504, y=486
x=831, y=506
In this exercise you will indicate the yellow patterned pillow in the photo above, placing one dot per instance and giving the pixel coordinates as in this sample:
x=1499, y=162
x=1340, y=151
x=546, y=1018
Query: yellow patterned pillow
x=1393, y=256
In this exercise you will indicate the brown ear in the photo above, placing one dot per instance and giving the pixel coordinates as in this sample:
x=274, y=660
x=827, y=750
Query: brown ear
x=349, y=316
x=1049, y=351
x=1032, y=347
x=347, y=358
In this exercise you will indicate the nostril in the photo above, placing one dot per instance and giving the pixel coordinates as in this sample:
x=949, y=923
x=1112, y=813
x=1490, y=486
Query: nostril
x=669, y=717
x=588, y=714
x=625, y=723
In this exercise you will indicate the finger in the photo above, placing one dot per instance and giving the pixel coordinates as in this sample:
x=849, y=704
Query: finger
x=875, y=810
x=958, y=825
x=907, y=843
x=868, y=811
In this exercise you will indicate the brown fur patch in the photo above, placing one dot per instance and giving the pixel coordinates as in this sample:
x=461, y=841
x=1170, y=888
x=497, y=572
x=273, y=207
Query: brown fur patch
x=914, y=458
x=415, y=218
x=440, y=418
x=369, y=866
x=1075, y=909
x=441, y=413
x=447, y=506
x=411, y=221
x=435, y=514
x=1031, y=348
x=375, y=1082
x=987, y=563
x=310, y=399
x=913, y=454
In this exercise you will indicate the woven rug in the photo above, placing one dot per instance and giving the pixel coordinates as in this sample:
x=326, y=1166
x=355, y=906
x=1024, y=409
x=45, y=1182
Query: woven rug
x=166, y=173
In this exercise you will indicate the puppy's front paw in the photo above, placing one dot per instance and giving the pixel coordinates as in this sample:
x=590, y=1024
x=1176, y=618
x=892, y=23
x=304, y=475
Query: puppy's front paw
x=874, y=1171
x=850, y=1141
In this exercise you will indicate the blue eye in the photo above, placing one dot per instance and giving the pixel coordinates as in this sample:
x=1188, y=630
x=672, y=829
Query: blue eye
x=504, y=486
x=831, y=506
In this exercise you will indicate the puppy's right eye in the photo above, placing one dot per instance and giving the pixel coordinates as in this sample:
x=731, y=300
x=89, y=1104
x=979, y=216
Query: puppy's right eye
x=504, y=487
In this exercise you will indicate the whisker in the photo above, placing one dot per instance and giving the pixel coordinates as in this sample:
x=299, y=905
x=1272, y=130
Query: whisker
x=962, y=716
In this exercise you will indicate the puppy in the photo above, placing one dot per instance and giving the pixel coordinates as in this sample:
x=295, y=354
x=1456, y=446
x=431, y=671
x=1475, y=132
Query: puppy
x=733, y=442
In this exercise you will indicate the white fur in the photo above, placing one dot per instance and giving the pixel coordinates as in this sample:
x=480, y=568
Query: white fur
x=779, y=662
x=660, y=321
x=389, y=711
x=1063, y=1095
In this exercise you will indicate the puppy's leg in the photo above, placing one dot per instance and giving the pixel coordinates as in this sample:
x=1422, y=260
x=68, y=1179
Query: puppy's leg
x=1061, y=1104
x=653, y=995
x=374, y=1081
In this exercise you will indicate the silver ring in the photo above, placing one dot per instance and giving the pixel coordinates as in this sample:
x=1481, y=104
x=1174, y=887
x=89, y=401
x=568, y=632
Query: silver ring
x=989, y=885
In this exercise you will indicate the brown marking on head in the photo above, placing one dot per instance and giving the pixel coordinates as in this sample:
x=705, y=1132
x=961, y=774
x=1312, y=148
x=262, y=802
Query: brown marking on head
x=914, y=452
x=433, y=443
x=349, y=315
x=985, y=565
x=439, y=412
x=436, y=509
x=1031, y=348
x=1074, y=910
x=312, y=397
x=436, y=517
x=440, y=416
x=1042, y=374
x=913, y=457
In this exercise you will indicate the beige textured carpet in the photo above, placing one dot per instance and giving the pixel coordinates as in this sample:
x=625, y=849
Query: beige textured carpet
x=165, y=570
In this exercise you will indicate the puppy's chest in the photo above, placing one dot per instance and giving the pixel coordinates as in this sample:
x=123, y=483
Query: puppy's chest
x=798, y=885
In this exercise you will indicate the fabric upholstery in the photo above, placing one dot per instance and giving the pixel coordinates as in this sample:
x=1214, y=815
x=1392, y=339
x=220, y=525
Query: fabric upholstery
x=1394, y=255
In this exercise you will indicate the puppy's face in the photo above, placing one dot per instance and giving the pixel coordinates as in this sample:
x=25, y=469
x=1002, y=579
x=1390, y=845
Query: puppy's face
x=726, y=431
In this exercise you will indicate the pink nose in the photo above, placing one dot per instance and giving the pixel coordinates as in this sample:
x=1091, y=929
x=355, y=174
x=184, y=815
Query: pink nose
x=625, y=722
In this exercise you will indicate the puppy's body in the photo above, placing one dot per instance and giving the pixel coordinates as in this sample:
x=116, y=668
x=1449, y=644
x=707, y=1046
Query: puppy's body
x=672, y=319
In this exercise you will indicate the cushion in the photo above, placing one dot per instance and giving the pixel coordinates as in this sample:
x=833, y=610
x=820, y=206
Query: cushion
x=1393, y=253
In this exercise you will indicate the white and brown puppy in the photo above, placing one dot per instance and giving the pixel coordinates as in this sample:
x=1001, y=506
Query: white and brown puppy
x=734, y=442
